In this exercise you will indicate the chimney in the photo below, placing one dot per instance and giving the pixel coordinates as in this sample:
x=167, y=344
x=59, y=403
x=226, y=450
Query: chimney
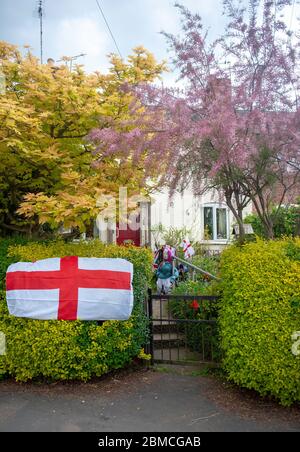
x=50, y=62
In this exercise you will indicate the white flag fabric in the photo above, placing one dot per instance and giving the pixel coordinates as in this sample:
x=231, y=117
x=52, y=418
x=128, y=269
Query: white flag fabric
x=70, y=288
x=187, y=249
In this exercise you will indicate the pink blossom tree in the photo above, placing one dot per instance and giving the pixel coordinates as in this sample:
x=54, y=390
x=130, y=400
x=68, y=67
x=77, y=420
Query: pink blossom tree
x=235, y=129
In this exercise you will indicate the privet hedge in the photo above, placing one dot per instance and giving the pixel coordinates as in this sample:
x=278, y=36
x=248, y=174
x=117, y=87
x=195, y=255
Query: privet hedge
x=6, y=260
x=260, y=311
x=74, y=350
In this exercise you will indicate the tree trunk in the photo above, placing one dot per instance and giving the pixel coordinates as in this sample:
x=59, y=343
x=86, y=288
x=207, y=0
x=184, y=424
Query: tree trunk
x=14, y=228
x=238, y=215
x=297, y=226
x=269, y=229
x=264, y=216
x=241, y=237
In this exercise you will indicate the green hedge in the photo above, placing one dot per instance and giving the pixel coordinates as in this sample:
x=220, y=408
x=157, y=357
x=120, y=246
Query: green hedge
x=260, y=311
x=6, y=260
x=285, y=221
x=74, y=350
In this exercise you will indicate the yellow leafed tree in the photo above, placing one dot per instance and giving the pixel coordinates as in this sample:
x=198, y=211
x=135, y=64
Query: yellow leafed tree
x=47, y=170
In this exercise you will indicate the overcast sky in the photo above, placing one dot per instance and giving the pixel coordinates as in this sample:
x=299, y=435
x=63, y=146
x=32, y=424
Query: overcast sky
x=72, y=27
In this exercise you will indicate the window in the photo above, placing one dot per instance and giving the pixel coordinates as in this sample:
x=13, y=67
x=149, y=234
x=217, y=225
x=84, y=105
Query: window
x=208, y=223
x=215, y=222
x=221, y=223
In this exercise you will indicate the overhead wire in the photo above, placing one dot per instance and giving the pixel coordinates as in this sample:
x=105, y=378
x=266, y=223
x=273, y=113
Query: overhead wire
x=292, y=14
x=109, y=29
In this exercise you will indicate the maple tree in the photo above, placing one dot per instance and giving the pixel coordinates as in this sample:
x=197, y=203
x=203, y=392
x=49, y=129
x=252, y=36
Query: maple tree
x=48, y=173
x=234, y=129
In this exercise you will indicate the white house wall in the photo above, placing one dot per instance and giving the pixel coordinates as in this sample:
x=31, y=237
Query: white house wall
x=186, y=210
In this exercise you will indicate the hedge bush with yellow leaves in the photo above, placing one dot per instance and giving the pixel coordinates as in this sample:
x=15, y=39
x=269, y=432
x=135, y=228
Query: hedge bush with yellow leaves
x=259, y=313
x=74, y=350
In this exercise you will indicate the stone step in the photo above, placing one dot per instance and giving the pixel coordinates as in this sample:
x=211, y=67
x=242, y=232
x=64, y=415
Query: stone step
x=177, y=354
x=165, y=327
x=168, y=340
x=166, y=336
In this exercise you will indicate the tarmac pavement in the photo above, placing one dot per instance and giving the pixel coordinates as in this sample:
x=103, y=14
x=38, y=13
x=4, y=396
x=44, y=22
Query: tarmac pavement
x=171, y=399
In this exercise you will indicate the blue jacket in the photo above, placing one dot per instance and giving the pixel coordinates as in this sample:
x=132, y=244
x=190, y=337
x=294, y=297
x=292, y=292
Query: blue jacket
x=164, y=271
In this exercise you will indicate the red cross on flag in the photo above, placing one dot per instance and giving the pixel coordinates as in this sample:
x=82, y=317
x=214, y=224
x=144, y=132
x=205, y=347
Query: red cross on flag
x=70, y=288
x=187, y=249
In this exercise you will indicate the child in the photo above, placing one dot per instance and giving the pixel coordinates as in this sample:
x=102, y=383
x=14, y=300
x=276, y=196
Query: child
x=165, y=273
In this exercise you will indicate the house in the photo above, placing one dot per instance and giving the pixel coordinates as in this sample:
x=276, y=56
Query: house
x=207, y=217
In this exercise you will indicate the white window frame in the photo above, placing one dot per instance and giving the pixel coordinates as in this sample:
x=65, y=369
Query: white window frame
x=215, y=206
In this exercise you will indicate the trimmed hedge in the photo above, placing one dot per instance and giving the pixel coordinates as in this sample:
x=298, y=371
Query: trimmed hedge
x=75, y=350
x=6, y=260
x=260, y=311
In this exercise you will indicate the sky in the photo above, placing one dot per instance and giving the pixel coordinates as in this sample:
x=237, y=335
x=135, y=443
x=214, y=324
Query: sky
x=73, y=27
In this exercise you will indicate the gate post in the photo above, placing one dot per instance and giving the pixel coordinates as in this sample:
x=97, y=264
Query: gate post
x=150, y=315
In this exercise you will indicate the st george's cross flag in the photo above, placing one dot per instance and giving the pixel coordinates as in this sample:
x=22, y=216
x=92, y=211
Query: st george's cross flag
x=70, y=288
x=187, y=249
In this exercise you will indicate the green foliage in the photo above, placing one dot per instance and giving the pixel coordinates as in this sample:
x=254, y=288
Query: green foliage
x=170, y=236
x=174, y=237
x=259, y=312
x=203, y=338
x=210, y=264
x=48, y=172
x=75, y=350
x=292, y=250
x=45, y=113
x=200, y=249
x=198, y=287
x=6, y=260
x=285, y=221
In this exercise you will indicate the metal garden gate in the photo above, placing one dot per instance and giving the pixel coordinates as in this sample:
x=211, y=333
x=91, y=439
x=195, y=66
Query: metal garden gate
x=183, y=328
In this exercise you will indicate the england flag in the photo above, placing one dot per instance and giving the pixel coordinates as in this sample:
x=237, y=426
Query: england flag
x=70, y=288
x=187, y=249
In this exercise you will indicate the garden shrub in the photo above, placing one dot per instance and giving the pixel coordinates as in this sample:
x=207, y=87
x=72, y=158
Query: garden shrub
x=210, y=264
x=292, y=250
x=78, y=349
x=259, y=312
x=6, y=260
x=204, y=337
x=285, y=221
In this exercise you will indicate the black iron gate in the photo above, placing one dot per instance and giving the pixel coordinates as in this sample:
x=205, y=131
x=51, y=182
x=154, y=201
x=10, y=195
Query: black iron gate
x=183, y=328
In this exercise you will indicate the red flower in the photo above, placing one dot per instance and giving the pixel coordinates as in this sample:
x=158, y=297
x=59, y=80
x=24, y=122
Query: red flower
x=194, y=305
